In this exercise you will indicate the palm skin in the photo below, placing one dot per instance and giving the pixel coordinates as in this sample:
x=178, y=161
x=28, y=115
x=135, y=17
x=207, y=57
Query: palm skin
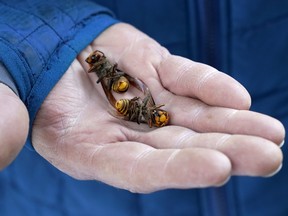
x=211, y=135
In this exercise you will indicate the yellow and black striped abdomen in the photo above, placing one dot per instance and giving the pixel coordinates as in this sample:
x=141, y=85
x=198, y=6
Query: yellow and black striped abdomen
x=122, y=106
x=120, y=85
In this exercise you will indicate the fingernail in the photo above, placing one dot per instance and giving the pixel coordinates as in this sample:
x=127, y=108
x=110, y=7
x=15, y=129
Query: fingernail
x=276, y=171
x=282, y=143
x=224, y=182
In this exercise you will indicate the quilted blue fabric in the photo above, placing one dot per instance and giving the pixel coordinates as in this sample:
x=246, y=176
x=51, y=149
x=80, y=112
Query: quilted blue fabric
x=40, y=39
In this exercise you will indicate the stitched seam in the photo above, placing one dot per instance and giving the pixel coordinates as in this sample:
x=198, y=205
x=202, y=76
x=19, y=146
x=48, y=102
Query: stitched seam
x=13, y=29
x=24, y=38
x=72, y=27
x=23, y=60
x=38, y=17
x=41, y=57
x=41, y=75
x=25, y=65
x=58, y=47
x=31, y=33
x=67, y=14
x=30, y=97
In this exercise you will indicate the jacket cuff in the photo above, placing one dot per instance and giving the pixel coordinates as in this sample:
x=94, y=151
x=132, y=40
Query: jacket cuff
x=6, y=79
x=39, y=53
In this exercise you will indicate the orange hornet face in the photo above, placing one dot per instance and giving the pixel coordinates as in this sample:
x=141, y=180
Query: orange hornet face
x=159, y=118
x=95, y=57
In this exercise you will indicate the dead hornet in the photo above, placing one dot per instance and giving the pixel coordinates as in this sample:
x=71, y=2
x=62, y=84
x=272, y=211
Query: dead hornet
x=142, y=111
x=112, y=78
x=115, y=78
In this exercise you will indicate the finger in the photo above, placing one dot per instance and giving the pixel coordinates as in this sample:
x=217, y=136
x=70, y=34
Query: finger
x=141, y=168
x=147, y=60
x=249, y=155
x=198, y=116
x=188, y=78
x=202, y=118
x=13, y=125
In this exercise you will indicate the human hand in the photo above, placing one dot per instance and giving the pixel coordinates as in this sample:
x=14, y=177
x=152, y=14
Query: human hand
x=211, y=135
x=14, y=124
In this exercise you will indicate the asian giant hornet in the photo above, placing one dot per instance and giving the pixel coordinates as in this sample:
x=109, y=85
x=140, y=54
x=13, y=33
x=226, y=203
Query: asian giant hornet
x=134, y=109
x=110, y=77
x=142, y=111
x=104, y=69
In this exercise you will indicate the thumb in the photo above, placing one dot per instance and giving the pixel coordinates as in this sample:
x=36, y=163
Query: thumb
x=14, y=124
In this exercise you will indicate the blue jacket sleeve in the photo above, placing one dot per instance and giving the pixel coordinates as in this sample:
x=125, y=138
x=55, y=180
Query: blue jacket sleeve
x=39, y=40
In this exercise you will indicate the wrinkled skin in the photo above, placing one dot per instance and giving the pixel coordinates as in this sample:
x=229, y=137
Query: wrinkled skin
x=211, y=135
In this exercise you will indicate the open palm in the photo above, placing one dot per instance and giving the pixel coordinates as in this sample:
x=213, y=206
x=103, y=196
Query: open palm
x=211, y=135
